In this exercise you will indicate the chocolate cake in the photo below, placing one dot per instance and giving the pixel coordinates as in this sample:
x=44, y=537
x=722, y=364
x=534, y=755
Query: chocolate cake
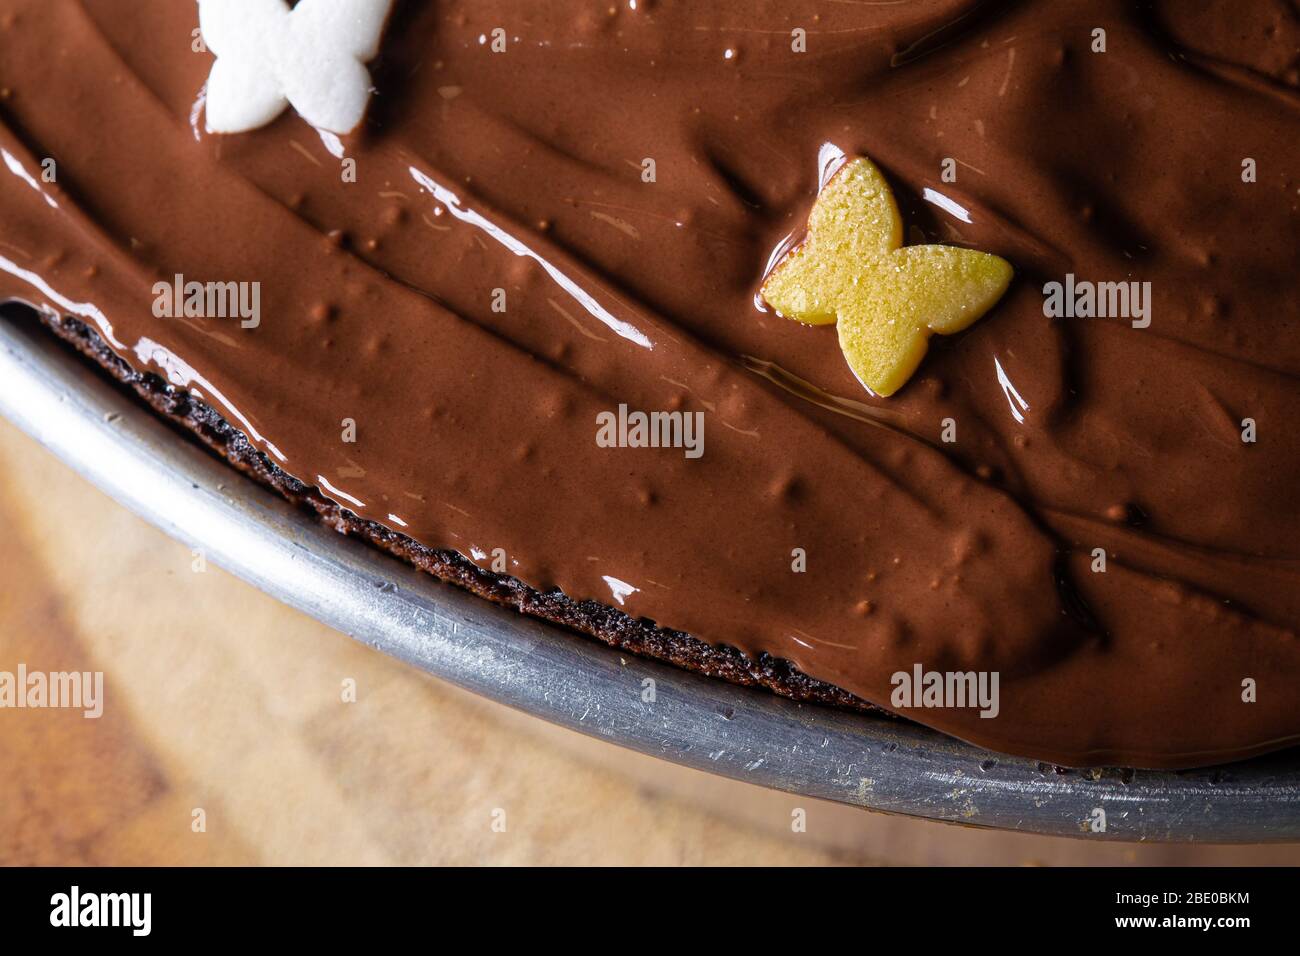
x=479, y=328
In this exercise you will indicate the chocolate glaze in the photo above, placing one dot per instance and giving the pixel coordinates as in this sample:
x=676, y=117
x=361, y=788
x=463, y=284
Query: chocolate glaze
x=521, y=171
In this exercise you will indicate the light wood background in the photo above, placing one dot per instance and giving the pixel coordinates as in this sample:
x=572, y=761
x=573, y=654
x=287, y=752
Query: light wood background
x=217, y=697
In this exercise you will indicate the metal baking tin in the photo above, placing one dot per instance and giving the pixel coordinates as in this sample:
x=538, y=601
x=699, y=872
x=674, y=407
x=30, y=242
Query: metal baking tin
x=751, y=735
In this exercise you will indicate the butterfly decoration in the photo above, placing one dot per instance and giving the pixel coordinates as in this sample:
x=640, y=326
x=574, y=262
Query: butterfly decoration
x=885, y=299
x=311, y=57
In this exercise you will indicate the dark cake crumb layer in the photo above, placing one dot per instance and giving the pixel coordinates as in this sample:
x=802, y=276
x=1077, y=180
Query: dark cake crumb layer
x=591, y=618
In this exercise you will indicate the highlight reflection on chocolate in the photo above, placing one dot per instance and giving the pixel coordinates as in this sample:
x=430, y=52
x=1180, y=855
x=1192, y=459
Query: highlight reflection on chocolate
x=500, y=273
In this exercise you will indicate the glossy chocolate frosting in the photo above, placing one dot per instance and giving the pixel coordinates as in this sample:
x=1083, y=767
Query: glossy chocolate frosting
x=522, y=171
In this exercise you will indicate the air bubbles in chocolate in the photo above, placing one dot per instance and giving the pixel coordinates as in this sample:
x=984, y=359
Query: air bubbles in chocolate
x=1127, y=513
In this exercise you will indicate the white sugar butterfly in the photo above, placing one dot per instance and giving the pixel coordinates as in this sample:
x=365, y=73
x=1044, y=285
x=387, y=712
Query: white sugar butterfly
x=268, y=56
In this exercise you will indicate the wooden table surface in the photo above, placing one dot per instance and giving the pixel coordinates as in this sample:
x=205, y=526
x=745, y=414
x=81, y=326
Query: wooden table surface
x=220, y=699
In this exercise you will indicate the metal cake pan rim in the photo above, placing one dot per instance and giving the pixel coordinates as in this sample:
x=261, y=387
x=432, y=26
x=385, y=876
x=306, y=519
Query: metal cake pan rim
x=748, y=734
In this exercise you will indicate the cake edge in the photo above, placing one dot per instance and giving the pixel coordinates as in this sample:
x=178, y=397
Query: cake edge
x=589, y=618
